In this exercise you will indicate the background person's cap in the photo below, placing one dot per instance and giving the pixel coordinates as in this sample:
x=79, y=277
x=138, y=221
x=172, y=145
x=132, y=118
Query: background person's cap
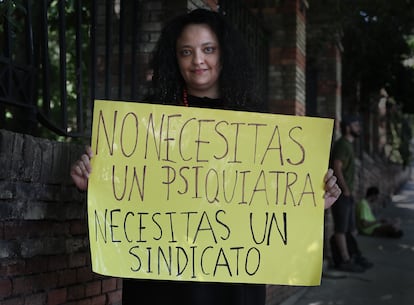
x=349, y=119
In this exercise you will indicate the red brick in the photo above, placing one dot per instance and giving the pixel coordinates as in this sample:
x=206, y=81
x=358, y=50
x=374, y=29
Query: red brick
x=60, y=228
x=289, y=6
x=114, y=297
x=78, y=228
x=5, y=288
x=289, y=54
x=89, y=261
x=47, y=280
x=301, y=60
x=35, y=299
x=300, y=109
x=22, y=285
x=36, y=265
x=99, y=300
x=77, y=260
x=76, y=292
x=14, y=230
x=57, y=262
x=12, y=268
x=284, y=107
x=67, y=277
x=80, y=302
x=2, y=231
x=119, y=283
x=109, y=285
x=84, y=302
x=15, y=301
x=84, y=274
x=57, y=296
x=275, y=55
x=93, y=288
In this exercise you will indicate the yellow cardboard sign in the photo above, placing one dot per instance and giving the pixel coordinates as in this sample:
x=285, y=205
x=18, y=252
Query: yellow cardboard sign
x=191, y=194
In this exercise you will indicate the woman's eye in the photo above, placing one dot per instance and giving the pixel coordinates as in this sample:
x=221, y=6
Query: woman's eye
x=209, y=50
x=185, y=52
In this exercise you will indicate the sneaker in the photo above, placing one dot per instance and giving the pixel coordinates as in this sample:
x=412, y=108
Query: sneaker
x=350, y=266
x=398, y=234
x=363, y=262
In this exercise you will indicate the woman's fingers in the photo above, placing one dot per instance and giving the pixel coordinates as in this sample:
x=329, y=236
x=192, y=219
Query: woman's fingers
x=85, y=165
x=81, y=170
x=332, y=190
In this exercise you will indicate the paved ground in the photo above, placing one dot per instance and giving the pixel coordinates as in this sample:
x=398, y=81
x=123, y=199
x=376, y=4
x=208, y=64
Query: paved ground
x=389, y=282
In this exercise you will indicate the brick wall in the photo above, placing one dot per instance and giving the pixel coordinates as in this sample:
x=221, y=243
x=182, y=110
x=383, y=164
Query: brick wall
x=324, y=64
x=44, y=249
x=287, y=56
x=329, y=82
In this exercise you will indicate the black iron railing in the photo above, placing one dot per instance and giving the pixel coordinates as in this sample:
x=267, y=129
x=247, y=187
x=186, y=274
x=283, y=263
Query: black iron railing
x=50, y=65
x=42, y=65
x=57, y=56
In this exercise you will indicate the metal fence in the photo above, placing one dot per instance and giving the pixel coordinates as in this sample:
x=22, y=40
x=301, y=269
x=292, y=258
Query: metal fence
x=44, y=65
x=57, y=56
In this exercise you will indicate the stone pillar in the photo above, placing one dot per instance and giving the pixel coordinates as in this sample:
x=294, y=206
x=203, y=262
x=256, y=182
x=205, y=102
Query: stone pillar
x=323, y=65
x=287, y=56
x=329, y=83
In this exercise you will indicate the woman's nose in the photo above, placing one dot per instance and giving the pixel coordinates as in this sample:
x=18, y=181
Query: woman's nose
x=198, y=57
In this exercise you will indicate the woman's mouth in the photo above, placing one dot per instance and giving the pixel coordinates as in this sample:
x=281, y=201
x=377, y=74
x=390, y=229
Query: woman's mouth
x=199, y=71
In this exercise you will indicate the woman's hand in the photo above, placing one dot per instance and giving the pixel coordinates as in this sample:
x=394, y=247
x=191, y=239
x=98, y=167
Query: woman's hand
x=332, y=190
x=81, y=169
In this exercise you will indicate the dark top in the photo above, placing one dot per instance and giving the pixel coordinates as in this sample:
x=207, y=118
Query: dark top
x=157, y=292
x=344, y=151
x=205, y=102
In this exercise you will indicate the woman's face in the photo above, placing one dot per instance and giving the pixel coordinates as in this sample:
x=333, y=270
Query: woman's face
x=198, y=55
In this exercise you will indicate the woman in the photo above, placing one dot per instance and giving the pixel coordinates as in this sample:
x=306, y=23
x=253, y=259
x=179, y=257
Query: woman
x=225, y=58
x=199, y=61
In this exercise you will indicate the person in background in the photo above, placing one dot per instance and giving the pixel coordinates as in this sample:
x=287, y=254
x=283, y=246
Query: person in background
x=201, y=61
x=343, y=212
x=369, y=225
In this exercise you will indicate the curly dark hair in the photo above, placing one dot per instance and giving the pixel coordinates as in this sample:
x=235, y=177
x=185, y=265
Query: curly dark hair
x=236, y=79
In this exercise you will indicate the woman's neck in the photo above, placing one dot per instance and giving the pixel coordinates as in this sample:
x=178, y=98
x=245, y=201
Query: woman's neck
x=212, y=93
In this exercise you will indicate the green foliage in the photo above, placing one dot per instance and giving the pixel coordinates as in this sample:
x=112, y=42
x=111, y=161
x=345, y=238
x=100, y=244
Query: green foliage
x=376, y=37
x=14, y=13
x=71, y=69
x=11, y=15
x=8, y=8
x=375, y=45
x=410, y=42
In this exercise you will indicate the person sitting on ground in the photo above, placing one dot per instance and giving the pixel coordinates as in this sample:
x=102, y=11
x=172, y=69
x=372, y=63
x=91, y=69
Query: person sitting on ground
x=368, y=224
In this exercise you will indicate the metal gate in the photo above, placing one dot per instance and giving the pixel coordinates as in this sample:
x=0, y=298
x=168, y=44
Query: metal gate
x=57, y=56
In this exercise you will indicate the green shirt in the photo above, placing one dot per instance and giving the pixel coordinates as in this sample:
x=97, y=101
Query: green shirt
x=344, y=151
x=364, y=212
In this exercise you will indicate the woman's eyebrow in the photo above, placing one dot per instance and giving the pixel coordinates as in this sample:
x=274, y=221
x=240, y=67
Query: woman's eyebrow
x=209, y=43
x=188, y=45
